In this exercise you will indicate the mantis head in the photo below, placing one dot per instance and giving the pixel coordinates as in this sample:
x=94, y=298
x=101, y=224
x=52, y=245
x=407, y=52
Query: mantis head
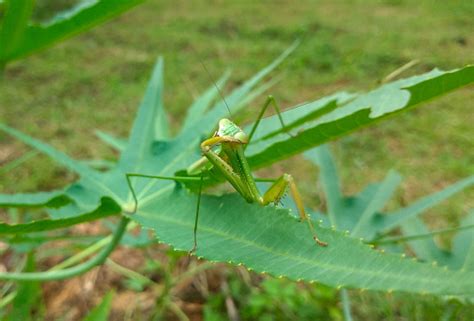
x=228, y=128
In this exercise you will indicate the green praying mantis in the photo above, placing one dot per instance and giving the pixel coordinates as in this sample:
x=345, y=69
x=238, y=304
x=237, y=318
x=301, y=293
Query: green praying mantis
x=225, y=151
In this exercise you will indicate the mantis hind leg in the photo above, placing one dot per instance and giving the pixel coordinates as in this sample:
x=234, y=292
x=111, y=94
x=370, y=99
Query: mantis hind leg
x=172, y=178
x=276, y=192
x=270, y=101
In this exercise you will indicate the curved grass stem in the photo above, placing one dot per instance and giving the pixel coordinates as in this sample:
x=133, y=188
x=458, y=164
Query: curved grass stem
x=55, y=274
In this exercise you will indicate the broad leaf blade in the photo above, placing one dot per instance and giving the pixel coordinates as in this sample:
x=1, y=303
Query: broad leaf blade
x=13, y=25
x=299, y=115
x=378, y=104
x=107, y=208
x=267, y=239
x=37, y=37
x=144, y=127
x=48, y=199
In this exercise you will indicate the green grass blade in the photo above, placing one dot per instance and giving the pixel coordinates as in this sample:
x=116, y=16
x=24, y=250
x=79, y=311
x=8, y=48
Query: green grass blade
x=107, y=208
x=48, y=199
x=17, y=162
x=102, y=311
x=380, y=199
x=114, y=142
x=385, y=101
x=37, y=37
x=13, y=25
x=393, y=219
x=269, y=240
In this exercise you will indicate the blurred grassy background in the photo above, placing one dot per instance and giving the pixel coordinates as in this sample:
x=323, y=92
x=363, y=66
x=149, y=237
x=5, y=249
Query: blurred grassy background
x=96, y=80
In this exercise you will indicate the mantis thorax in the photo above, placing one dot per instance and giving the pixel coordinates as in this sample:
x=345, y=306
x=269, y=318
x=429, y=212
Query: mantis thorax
x=228, y=128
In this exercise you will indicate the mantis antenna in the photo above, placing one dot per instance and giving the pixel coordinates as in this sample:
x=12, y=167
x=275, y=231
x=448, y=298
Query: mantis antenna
x=215, y=85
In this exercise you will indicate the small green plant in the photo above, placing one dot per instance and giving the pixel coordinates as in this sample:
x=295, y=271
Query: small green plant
x=362, y=215
x=19, y=36
x=265, y=239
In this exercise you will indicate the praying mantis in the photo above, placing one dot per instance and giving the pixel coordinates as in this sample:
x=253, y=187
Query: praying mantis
x=225, y=151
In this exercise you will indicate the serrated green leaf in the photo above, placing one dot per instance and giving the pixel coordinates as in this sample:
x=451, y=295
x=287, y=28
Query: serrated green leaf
x=267, y=239
x=67, y=24
x=107, y=208
x=48, y=199
x=101, y=312
x=385, y=101
x=263, y=238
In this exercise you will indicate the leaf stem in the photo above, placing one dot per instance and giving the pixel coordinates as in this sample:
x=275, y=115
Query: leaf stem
x=88, y=251
x=73, y=271
x=346, y=305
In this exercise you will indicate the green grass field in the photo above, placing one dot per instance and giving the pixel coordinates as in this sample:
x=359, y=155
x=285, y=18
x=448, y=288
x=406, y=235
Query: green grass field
x=96, y=80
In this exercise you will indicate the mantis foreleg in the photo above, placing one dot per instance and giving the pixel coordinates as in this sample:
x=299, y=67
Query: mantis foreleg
x=171, y=178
